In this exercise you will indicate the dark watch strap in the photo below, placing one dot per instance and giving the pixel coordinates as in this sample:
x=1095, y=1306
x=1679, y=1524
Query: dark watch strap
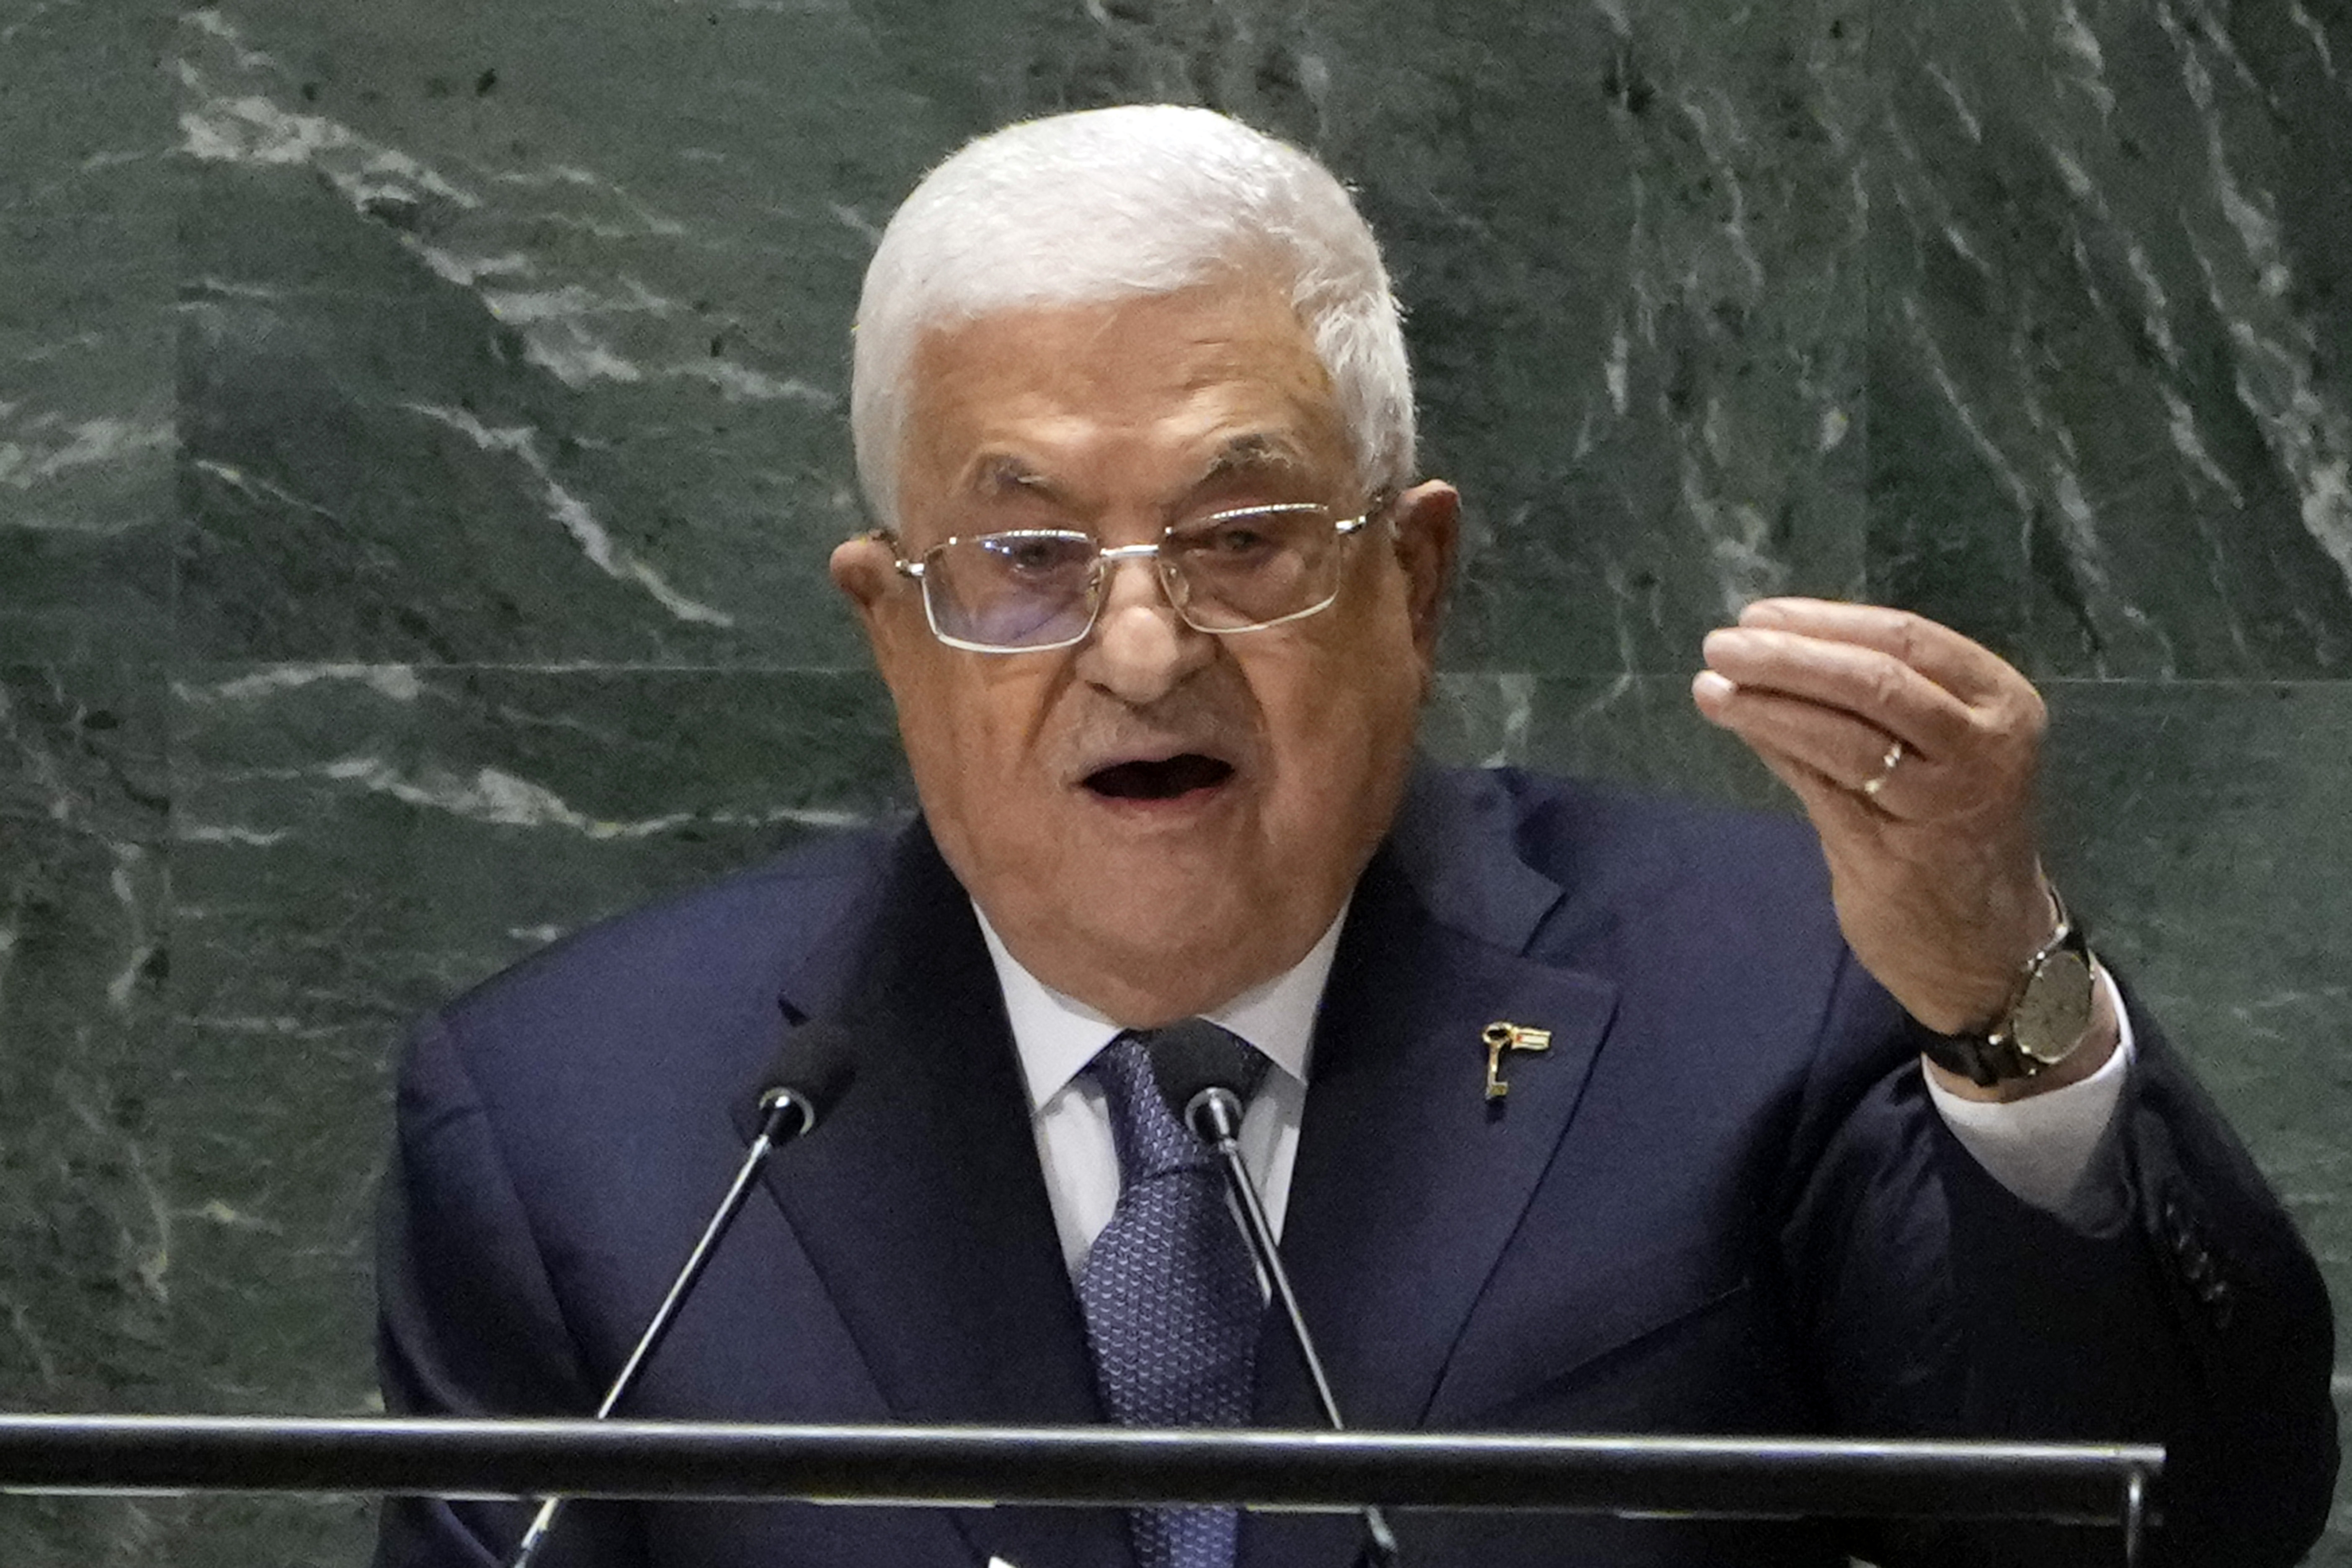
x=1982, y=1059
x=1994, y=1055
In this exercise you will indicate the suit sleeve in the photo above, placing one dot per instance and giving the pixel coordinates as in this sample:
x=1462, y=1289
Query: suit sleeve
x=468, y=1321
x=1939, y=1304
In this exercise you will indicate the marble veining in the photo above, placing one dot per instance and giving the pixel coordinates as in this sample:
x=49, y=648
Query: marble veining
x=2163, y=387
x=573, y=514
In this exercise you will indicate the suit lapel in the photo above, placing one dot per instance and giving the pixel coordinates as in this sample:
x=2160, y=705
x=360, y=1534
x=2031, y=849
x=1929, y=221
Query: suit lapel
x=921, y=1202
x=1409, y=1183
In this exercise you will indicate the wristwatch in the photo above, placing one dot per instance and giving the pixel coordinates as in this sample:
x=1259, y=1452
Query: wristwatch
x=2044, y=1020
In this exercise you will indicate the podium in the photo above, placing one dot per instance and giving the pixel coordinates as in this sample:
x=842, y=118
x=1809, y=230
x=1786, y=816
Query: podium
x=1695, y=1476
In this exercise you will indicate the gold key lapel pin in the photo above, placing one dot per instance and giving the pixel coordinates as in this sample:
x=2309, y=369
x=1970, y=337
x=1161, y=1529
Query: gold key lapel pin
x=1500, y=1036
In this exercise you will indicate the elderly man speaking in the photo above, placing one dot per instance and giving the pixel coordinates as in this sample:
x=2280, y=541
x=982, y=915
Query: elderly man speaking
x=1573, y=1112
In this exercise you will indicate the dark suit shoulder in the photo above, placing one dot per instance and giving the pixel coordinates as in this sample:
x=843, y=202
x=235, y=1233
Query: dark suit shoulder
x=746, y=928
x=666, y=1005
x=1584, y=865
x=1599, y=830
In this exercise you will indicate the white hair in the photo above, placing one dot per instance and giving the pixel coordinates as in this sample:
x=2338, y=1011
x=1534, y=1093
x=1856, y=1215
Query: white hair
x=1110, y=204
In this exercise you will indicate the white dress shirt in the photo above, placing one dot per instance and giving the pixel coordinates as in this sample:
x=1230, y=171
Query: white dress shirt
x=1058, y=1036
x=2052, y=1151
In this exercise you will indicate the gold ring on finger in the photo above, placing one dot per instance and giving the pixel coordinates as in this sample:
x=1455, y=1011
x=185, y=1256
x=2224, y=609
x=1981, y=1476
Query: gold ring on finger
x=1886, y=766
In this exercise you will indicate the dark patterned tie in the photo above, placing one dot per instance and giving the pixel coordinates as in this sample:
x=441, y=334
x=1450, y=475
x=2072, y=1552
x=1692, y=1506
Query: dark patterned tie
x=1170, y=1292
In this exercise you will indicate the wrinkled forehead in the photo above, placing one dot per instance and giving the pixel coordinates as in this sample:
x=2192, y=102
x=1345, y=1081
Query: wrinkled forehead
x=1175, y=390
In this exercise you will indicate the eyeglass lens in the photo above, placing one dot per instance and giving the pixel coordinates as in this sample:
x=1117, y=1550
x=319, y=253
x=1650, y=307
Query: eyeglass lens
x=1037, y=587
x=1012, y=589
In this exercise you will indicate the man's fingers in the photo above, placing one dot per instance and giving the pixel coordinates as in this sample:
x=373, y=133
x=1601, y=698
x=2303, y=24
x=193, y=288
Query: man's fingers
x=1840, y=747
x=1835, y=809
x=1880, y=691
x=1967, y=669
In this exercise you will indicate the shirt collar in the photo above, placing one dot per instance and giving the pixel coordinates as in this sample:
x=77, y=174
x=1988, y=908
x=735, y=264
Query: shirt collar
x=1057, y=1036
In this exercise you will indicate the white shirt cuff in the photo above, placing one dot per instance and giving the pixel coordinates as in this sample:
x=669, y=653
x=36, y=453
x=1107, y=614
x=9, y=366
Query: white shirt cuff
x=2053, y=1151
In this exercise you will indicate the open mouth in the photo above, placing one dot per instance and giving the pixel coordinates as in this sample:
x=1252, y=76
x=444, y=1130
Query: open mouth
x=1164, y=779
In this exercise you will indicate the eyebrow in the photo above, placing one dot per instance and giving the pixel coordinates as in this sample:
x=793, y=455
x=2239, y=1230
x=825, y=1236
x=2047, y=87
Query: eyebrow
x=1005, y=474
x=1002, y=473
x=1254, y=452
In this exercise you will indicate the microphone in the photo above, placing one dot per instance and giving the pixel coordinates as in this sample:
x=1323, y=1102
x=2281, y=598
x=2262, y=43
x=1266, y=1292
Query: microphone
x=1189, y=1061
x=807, y=1079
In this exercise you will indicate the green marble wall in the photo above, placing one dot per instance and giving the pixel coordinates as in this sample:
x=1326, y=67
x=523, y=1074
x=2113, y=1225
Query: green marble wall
x=421, y=425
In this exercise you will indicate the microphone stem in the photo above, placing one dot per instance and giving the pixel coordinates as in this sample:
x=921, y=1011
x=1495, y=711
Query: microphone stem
x=721, y=1218
x=1269, y=1257
x=658, y=1329
x=1381, y=1540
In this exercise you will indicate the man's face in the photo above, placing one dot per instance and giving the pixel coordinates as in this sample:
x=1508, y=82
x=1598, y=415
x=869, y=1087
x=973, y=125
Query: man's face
x=1157, y=818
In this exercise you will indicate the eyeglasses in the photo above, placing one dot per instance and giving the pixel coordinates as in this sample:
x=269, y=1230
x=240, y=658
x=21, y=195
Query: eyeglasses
x=1030, y=589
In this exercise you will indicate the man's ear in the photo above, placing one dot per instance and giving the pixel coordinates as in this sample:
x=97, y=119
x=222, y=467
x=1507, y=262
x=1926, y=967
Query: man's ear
x=864, y=569
x=1428, y=528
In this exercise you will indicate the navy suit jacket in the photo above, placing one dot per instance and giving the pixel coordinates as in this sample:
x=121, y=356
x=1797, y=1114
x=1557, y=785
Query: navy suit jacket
x=1721, y=1202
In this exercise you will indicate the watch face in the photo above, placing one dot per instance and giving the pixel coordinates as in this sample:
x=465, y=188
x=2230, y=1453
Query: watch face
x=2056, y=1009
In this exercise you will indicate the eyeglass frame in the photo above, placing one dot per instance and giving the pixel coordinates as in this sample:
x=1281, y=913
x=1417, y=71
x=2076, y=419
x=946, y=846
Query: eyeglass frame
x=1107, y=555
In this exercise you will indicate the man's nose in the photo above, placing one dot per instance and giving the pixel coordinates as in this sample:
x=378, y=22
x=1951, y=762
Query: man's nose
x=1140, y=648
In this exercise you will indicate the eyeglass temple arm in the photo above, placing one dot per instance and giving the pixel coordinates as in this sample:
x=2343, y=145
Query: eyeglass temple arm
x=907, y=568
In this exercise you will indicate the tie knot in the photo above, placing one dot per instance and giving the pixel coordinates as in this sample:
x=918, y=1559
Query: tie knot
x=1149, y=1075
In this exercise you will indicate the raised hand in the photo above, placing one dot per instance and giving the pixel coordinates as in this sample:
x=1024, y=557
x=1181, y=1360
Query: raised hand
x=1914, y=752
